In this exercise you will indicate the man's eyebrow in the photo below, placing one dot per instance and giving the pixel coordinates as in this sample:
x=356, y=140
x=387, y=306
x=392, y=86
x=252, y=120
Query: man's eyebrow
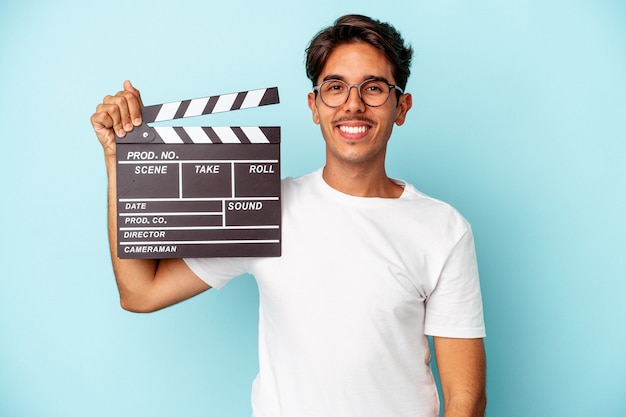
x=367, y=77
x=377, y=78
x=333, y=77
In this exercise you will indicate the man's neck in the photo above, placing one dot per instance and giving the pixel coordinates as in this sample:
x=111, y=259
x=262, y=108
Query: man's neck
x=361, y=182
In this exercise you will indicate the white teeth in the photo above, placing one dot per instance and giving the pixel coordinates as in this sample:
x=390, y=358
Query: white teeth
x=353, y=130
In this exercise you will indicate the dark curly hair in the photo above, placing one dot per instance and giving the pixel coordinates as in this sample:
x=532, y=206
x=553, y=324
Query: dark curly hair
x=357, y=28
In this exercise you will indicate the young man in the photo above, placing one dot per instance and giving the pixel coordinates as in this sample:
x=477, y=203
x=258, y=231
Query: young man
x=370, y=265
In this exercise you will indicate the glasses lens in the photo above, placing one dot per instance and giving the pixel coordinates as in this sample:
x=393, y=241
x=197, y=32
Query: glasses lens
x=374, y=93
x=334, y=92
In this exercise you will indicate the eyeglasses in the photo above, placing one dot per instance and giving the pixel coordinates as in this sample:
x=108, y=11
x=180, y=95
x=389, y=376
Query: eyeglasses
x=373, y=92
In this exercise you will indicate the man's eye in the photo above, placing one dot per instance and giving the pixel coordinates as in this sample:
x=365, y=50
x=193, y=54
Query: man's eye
x=373, y=88
x=334, y=87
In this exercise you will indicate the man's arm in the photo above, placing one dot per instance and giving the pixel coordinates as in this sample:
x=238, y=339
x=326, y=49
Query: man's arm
x=144, y=284
x=462, y=368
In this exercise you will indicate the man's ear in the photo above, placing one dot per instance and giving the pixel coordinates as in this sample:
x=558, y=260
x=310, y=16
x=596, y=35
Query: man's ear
x=313, y=107
x=404, y=105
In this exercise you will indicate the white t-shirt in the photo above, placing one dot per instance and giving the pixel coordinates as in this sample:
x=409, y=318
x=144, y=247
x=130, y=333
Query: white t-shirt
x=345, y=311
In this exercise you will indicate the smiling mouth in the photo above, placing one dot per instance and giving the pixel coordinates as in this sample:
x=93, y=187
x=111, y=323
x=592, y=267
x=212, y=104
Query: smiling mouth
x=353, y=130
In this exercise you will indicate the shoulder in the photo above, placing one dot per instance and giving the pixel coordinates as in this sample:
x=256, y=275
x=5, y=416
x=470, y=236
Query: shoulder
x=430, y=210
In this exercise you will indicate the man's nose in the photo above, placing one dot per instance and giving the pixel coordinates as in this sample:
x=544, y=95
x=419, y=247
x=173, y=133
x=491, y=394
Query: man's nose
x=354, y=101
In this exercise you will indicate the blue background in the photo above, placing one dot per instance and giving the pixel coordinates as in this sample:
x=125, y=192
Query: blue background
x=519, y=120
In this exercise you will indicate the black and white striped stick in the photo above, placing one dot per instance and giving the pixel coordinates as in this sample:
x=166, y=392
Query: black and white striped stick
x=203, y=106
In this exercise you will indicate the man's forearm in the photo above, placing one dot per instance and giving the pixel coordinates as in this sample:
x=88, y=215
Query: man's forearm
x=133, y=276
x=462, y=371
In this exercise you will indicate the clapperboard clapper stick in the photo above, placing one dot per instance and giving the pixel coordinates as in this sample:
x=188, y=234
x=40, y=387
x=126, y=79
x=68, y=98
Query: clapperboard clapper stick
x=199, y=191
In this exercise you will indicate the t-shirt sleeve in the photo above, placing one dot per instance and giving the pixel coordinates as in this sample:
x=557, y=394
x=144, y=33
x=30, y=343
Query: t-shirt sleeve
x=454, y=308
x=217, y=271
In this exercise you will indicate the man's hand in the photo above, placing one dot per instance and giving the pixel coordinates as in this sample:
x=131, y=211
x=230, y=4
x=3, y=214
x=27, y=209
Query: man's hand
x=117, y=114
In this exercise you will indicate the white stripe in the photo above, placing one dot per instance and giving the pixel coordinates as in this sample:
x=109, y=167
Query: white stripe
x=196, y=107
x=253, y=98
x=225, y=102
x=226, y=134
x=255, y=134
x=168, y=111
x=197, y=135
x=168, y=134
x=198, y=242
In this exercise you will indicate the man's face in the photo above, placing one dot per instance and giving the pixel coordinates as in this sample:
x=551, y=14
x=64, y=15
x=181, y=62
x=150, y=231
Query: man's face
x=355, y=133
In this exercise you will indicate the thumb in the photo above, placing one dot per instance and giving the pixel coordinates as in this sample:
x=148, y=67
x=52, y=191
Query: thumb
x=128, y=86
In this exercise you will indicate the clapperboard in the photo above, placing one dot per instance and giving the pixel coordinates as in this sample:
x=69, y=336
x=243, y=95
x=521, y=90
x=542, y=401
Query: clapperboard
x=199, y=191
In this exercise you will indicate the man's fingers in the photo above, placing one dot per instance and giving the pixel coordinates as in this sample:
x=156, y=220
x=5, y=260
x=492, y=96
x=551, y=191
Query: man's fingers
x=134, y=106
x=117, y=115
x=128, y=112
x=117, y=108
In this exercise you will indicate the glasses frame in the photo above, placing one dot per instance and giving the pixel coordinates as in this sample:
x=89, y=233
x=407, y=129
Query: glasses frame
x=317, y=90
